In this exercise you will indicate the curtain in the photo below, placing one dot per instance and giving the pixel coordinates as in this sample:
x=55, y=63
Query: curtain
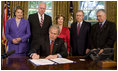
x=111, y=9
x=62, y=7
x=23, y=4
x=13, y=4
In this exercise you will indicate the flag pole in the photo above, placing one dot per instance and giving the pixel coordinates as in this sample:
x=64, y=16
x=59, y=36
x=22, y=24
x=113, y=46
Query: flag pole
x=6, y=16
x=71, y=15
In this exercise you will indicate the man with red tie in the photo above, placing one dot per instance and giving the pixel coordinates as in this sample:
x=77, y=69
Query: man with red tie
x=52, y=47
x=79, y=35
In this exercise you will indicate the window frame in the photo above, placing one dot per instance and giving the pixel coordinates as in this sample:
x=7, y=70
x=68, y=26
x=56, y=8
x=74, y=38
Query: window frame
x=37, y=8
x=87, y=15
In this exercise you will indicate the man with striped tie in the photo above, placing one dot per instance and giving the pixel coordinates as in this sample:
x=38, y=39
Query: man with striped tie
x=39, y=25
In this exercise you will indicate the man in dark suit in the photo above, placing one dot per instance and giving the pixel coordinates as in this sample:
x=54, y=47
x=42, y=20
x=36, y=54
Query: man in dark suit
x=39, y=25
x=45, y=48
x=103, y=33
x=79, y=35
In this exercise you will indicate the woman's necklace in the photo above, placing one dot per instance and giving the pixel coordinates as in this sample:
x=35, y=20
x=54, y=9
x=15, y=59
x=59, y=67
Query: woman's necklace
x=17, y=22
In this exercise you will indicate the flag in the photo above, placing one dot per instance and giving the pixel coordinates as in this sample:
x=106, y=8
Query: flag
x=71, y=15
x=6, y=16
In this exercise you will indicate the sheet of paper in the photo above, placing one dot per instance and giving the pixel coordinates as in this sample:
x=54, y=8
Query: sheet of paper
x=62, y=60
x=39, y=62
x=82, y=59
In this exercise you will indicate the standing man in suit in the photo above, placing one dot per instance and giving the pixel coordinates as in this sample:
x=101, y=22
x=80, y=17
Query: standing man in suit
x=51, y=47
x=39, y=24
x=103, y=33
x=79, y=35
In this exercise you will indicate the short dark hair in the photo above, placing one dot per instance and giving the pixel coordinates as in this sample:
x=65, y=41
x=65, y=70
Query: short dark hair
x=18, y=7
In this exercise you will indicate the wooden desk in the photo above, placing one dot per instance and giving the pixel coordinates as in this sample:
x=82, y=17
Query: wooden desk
x=22, y=63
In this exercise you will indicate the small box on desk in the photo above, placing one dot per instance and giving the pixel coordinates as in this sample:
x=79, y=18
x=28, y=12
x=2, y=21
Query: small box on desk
x=108, y=63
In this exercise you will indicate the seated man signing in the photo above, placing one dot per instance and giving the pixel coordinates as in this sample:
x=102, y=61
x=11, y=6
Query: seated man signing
x=51, y=47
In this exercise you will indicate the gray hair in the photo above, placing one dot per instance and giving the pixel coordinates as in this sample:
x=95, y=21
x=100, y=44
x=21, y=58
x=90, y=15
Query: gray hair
x=55, y=27
x=80, y=11
x=102, y=10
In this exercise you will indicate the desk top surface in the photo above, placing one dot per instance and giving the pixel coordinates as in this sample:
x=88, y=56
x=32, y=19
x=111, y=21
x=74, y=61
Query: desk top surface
x=22, y=63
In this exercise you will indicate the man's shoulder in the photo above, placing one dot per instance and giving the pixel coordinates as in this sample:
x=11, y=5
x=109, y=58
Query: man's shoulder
x=95, y=26
x=109, y=22
x=33, y=14
x=47, y=15
x=73, y=24
x=59, y=40
x=85, y=22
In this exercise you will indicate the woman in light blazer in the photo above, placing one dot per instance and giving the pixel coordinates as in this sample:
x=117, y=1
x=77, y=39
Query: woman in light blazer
x=17, y=32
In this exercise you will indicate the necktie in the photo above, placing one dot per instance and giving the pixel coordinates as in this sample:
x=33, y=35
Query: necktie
x=51, y=47
x=100, y=24
x=41, y=23
x=78, y=29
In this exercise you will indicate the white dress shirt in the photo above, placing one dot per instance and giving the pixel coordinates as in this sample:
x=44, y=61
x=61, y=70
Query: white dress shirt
x=39, y=16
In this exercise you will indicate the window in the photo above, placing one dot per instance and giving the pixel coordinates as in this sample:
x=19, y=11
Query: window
x=33, y=7
x=90, y=8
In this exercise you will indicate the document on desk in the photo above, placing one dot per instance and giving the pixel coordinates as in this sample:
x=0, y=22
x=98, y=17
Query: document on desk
x=39, y=62
x=62, y=60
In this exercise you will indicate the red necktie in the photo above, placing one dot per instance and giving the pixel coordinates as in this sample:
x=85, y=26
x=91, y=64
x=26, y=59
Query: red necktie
x=51, y=47
x=41, y=23
x=78, y=29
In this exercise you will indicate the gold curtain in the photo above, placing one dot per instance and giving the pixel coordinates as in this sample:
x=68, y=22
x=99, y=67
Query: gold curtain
x=111, y=9
x=23, y=4
x=13, y=4
x=62, y=7
x=75, y=8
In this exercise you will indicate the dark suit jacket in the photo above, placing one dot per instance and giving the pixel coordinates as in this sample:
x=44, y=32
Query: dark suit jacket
x=104, y=37
x=43, y=49
x=79, y=43
x=37, y=31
